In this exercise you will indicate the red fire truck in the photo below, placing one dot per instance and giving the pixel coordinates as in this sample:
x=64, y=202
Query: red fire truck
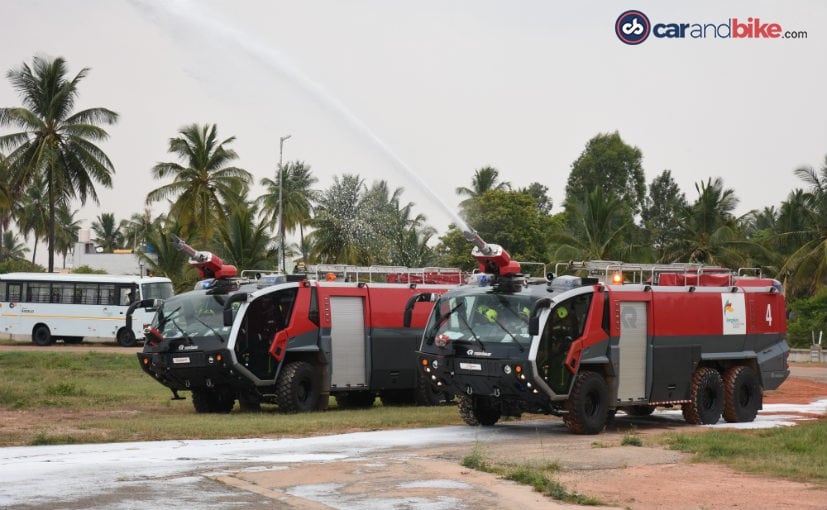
x=615, y=337
x=292, y=340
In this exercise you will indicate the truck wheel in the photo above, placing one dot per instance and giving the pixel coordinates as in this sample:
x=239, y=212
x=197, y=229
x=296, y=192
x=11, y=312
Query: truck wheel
x=742, y=394
x=476, y=411
x=428, y=395
x=641, y=410
x=588, y=404
x=355, y=399
x=126, y=338
x=706, y=393
x=213, y=400
x=297, y=388
x=41, y=335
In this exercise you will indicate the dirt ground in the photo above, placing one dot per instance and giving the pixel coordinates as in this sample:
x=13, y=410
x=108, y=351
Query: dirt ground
x=639, y=478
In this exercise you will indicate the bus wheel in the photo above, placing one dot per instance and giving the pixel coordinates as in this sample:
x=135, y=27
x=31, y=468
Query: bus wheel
x=126, y=338
x=41, y=335
x=297, y=388
x=742, y=394
x=213, y=400
x=706, y=395
x=588, y=404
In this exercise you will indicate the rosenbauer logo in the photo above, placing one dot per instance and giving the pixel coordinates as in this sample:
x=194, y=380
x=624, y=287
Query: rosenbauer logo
x=634, y=27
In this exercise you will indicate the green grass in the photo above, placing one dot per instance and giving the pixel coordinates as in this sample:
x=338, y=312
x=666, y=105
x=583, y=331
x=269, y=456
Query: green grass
x=70, y=397
x=797, y=453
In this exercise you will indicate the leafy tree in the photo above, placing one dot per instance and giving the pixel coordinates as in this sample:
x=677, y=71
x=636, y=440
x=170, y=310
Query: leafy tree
x=298, y=197
x=485, y=179
x=710, y=233
x=661, y=215
x=55, y=144
x=108, y=232
x=166, y=260
x=32, y=219
x=808, y=316
x=337, y=226
x=66, y=231
x=806, y=267
x=13, y=248
x=508, y=218
x=199, y=188
x=243, y=240
x=610, y=164
x=136, y=229
x=596, y=229
x=540, y=193
x=5, y=203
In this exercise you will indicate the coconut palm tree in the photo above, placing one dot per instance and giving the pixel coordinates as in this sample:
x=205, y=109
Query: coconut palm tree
x=243, y=241
x=603, y=222
x=54, y=143
x=30, y=216
x=202, y=186
x=66, y=231
x=298, y=198
x=485, y=179
x=806, y=267
x=13, y=247
x=108, y=232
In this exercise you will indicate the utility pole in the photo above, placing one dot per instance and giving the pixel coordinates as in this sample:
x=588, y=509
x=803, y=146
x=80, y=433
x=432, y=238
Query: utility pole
x=281, y=200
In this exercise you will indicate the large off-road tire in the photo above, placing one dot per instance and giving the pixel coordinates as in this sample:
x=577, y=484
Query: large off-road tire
x=126, y=338
x=249, y=401
x=477, y=411
x=297, y=387
x=429, y=395
x=356, y=399
x=588, y=404
x=743, y=395
x=213, y=400
x=706, y=393
x=641, y=410
x=41, y=335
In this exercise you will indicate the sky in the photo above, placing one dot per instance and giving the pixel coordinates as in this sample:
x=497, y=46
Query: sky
x=422, y=94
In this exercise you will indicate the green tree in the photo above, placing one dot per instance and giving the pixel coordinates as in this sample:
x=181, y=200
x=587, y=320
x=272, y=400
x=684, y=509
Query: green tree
x=540, y=193
x=597, y=229
x=298, y=197
x=108, y=232
x=710, y=233
x=32, y=219
x=55, y=144
x=485, y=179
x=66, y=231
x=13, y=247
x=136, y=229
x=610, y=164
x=661, y=215
x=5, y=203
x=805, y=270
x=336, y=223
x=243, y=240
x=203, y=184
x=166, y=260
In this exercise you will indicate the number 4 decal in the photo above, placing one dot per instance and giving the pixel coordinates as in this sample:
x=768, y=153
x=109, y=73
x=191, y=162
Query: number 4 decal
x=769, y=315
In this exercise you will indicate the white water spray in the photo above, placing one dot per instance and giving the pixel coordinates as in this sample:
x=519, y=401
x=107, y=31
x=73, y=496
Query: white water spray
x=197, y=17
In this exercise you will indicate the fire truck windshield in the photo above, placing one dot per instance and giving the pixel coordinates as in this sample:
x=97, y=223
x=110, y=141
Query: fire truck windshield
x=191, y=315
x=483, y=319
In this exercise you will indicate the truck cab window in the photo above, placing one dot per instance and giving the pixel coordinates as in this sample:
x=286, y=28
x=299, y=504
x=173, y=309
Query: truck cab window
x=565, y=325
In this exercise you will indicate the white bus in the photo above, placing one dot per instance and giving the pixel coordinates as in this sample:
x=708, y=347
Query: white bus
x=71, y=307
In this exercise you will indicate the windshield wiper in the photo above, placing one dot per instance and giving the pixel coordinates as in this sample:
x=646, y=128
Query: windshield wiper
x=470, y=329
x=216, y=333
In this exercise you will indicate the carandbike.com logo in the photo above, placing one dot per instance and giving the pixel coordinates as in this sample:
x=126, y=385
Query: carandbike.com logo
x=633, y=27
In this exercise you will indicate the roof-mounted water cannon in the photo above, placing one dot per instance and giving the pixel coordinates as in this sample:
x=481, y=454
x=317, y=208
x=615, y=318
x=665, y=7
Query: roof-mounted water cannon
x=208, y=264
x=493, y=258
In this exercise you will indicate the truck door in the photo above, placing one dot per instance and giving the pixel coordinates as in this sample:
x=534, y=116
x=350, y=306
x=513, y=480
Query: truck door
x=347, y=342
x=631, y=384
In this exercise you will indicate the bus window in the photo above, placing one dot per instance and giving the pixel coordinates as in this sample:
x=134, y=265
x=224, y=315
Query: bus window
x=39, y=292
x=127, y=295
x=86, y=293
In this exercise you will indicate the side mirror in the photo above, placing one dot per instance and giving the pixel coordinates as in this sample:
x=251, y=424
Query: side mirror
x=409, y=306
x=144, y=303
x=228, y=307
